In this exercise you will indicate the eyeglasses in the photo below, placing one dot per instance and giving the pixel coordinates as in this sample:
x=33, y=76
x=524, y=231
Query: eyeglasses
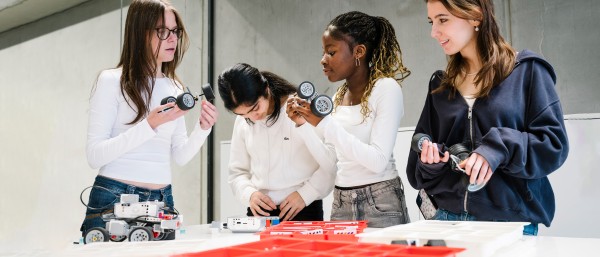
x=164, y=33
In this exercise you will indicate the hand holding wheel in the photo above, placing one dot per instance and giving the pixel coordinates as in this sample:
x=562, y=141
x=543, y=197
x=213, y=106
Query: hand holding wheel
x=186, y=100
x=458, y=153
x=320, y=105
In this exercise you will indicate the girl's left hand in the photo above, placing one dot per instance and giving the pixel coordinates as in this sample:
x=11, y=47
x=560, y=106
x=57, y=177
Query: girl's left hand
x=208, y=115
x=302, y=107
x=291, y=206
x=477, y=168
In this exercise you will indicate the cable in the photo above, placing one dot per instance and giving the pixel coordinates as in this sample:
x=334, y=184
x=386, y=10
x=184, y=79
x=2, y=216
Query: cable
x=92, y=208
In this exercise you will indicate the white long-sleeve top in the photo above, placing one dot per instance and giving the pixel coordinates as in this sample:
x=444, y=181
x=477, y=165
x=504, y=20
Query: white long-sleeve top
x=279, y=160
x=136, y=152
x=364, y=146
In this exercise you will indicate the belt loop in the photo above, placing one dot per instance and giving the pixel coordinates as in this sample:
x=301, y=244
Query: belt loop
x=162, y=194
x=400, y=182
x=130, y=189
x=369, y=194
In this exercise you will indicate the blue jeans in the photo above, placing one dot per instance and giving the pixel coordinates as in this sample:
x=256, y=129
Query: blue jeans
x=381, y=204
x=106, y=192
x=528, y=230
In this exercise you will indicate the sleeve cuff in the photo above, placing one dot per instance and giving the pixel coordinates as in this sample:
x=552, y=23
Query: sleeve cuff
x=322, y=126
x=246, y=195
x=308, y=194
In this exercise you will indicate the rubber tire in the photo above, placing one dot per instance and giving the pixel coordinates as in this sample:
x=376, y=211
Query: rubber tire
x=306, y=90
x=417, y=141
x=208, y=92
x=101, y=237
x=321, y=106
x=168, y=99
x=181, y=103
x=141, y=234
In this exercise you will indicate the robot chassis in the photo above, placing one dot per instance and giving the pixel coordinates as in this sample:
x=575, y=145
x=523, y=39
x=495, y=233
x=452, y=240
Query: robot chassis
x=138, y=221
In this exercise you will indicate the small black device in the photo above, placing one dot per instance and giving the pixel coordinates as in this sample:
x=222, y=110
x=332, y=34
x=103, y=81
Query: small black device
x=320, y=105
x=458, y=153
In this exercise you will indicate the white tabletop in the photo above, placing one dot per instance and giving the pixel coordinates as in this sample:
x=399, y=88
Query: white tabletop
x=200, y=238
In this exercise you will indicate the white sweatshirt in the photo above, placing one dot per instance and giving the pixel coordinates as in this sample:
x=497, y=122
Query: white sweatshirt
x=279, y=160
x=364, y=147
x=136, y=152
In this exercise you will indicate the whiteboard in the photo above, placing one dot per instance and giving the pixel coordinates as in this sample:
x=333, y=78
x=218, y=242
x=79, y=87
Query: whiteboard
x=576, y=184
x=229, y=205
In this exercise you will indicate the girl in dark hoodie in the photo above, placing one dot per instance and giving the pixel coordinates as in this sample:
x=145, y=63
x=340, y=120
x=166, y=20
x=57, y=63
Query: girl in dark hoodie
x=499, y=104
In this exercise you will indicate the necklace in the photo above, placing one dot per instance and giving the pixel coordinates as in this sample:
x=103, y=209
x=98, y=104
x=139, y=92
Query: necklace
x=469, y=74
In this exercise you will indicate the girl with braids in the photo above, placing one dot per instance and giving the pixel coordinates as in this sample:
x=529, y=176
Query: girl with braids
x=503, y=106
x=278, y=166
x=363, y=51
x=131, y=139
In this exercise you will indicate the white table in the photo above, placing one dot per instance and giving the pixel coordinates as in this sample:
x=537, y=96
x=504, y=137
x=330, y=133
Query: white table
x=201, y=237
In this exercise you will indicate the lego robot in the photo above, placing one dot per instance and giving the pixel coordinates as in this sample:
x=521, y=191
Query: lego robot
x=138, y=221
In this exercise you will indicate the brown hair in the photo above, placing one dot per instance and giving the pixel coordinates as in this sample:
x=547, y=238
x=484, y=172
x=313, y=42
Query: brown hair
x=383, y=51
x=497, y=56
x=138, y=59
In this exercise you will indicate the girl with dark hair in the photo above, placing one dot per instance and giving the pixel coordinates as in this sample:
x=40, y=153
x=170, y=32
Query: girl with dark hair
x=131, y=136
x=278, y=166
x=363, y=50
x=503, y=106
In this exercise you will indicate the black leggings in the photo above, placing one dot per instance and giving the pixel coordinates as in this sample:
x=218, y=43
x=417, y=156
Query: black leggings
x=312, y=212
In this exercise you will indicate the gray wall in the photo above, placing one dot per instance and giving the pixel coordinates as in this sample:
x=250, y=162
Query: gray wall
x=48, y=67
x=47, y=70
x=285, y=37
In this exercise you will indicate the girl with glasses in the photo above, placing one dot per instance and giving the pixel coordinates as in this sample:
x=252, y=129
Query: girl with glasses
x=131, y=138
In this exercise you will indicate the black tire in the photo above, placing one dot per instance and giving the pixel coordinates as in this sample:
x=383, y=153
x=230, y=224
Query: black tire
x=306, y=90
x=186, y=101
x=141, y=234
x=460, y=151
x=321, y=105
x=168, y=99
x=94, y=235
x=166, y=236
x=208, y=92
x=417, y=141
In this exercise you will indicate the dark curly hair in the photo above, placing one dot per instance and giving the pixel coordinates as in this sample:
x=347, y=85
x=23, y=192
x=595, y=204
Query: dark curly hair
x=383, y=51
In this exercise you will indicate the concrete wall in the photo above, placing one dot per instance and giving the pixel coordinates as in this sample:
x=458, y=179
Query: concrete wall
x=47, y=70
x=285, y=37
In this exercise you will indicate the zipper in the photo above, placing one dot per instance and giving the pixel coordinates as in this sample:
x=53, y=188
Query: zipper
x=470, y=118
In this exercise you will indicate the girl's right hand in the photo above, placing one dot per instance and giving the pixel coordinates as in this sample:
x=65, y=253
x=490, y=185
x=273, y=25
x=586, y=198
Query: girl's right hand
x=292, y=114
x=430, y=153
x=159, y=116
x=260, y=202
x=302, y=107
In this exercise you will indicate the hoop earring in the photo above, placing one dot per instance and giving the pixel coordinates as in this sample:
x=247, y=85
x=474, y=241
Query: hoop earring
x=476, y=28
x=357, y=62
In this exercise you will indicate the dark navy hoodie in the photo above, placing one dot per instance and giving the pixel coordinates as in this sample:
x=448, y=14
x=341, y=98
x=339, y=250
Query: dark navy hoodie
x=518, y=129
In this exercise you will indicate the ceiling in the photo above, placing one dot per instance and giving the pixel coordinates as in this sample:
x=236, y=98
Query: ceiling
x=14, y=13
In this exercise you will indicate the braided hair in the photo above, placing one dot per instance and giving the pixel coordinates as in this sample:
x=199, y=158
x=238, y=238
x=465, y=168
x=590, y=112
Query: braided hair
x=383, y=51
